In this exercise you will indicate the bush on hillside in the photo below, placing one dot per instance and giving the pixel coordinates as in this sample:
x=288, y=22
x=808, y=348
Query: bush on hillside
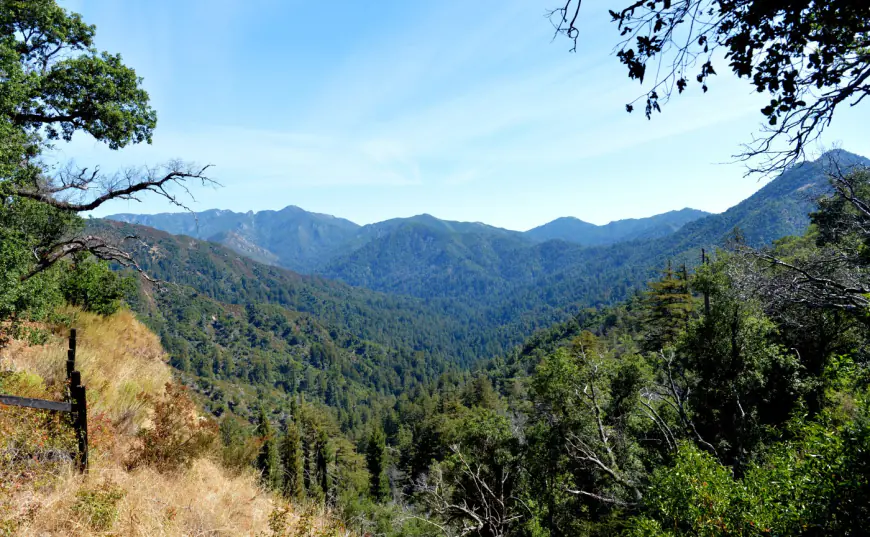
x=238, y=448
x=177, y=436
x=91, y=285
x=98, y=506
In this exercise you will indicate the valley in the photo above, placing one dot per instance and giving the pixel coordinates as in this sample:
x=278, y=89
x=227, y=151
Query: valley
x=289, y=373
x=417, y=333
x=400, y=304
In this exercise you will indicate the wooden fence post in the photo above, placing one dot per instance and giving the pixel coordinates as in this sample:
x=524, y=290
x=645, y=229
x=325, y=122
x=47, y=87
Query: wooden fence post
x=70, y=361
x=80, y=420
x=76, y=405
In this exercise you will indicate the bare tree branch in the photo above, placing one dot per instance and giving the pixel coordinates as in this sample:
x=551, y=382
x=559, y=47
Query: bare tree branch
x=677, y=397
x=483, y=508
x=96, y=246
x=599, y=497
x=77, y=190
x=124, y=185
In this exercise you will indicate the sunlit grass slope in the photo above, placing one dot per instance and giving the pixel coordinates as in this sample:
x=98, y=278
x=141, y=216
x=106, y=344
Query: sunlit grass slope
x=124, y=369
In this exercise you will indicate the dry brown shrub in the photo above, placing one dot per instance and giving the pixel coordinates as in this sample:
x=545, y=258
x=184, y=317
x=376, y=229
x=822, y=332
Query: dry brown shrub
x=177, y=434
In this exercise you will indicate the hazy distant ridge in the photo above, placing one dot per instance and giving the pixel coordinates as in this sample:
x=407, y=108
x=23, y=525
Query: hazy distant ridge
x=305, y=241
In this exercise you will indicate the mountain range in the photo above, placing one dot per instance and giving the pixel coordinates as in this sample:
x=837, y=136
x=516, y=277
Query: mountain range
x=499, y=285
x=430, y=258
x=307, y=242
x=572, y=229
x=388, y=307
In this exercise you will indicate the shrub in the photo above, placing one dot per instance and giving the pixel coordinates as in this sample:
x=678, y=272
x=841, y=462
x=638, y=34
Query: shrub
x=93, y=286
x=177, y=435
x=99, y=506
x=238, y=448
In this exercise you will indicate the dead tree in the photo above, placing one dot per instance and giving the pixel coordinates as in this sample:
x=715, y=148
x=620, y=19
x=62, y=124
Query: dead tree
x=474, y=501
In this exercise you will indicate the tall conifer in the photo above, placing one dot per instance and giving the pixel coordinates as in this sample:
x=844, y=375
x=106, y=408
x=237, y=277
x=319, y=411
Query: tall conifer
x=292, y=461
x=668, y=307
x=267, y=458
x=379, y=483
x=321, y=458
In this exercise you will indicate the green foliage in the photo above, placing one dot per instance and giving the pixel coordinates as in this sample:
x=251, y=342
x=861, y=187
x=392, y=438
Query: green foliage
x=669, y=307
x=267, y=457
x=697, y=490
x=55, y=83
x=815, y=483
x=376, y=462
x=743, y=379
x=292, y=462
x=323, y=455
x=91, y=285
x=785, y=49
x=26, y=226
x=98, y=506
x=477, y=484
x=752, y=422
x=239, y=448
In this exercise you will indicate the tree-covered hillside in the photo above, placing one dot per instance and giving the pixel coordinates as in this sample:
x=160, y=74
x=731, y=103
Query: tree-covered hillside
x=514, y=277
x=228, y=277
x=242, y=358
x=729, y=400
x=458, y=296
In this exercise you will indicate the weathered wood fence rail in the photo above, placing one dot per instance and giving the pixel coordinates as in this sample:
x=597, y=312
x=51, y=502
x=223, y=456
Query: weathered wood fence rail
x=76, y=404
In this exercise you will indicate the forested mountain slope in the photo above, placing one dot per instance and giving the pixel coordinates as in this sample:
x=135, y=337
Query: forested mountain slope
x=462, y=292
x=778, y=209
x=225, y=276
x=242, y=358
x=514, y=275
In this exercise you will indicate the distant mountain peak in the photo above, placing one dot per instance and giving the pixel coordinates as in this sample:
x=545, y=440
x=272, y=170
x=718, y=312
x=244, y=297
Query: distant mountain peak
x=306, y=241
x=571, y=229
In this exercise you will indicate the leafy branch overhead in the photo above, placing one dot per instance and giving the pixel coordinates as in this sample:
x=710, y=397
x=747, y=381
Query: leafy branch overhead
x=810, y=57
x=54, y=83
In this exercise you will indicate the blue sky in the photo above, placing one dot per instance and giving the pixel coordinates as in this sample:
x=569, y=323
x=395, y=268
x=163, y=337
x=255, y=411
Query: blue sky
x=464, y=110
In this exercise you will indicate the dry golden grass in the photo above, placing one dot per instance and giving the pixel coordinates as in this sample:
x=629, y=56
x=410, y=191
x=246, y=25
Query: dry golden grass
x=203, y=500
x=120, y=359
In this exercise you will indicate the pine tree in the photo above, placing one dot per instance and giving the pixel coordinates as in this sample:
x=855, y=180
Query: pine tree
x=668, y=307
x=294, y=409
x=379, y=483
x=481, y=393
x=321, y=458
x=292, y=461
x=267, y=458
